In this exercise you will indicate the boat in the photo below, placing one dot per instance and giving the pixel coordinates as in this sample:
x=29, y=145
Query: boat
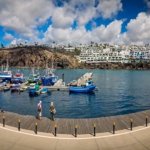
x=6, y=88
x=5, y=75
x=49, y=78
x=82, y=80
x=21, y=90
x=15, y=88
x=33, y=89
x=87, y=88
x=44, y=90
x=33, y=78
x=24, y=87
x=17, y=78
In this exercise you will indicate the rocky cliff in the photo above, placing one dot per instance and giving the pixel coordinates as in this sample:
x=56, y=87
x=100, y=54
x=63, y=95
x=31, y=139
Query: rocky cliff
x=34, y=56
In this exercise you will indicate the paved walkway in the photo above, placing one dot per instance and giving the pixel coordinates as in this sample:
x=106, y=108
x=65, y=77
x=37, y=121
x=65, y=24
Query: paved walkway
x=85, y=126
x=135, y=140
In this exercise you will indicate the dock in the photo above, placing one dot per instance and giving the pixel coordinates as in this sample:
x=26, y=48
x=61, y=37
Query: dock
x=84, y=126
x=57, y=88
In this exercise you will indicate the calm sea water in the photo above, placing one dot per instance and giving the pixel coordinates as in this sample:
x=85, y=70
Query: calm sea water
x=119, y=92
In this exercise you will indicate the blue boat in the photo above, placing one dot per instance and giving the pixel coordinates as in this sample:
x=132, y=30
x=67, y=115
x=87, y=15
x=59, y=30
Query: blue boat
x=50, y=78
x=44, y=90
x=87, y=88
x=33, y=89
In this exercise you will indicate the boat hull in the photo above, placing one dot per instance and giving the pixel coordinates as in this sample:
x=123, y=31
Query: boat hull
x=49, y=81
x=82, y=89
x=32, y=92
x=44, y=90
x=6, y=89
x=15, y=88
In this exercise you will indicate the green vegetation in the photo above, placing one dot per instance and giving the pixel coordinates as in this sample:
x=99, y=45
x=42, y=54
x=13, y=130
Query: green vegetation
x=77, y=51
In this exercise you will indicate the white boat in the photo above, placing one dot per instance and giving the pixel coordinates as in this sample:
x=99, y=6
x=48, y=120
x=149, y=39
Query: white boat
x=6, y=74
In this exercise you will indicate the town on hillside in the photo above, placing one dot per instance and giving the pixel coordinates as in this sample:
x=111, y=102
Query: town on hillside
x=98, y=53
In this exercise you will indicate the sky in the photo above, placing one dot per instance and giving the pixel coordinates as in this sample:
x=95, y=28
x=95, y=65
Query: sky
x=75, y=21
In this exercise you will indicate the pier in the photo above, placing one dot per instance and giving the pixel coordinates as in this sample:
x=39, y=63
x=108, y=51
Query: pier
x=83, y=126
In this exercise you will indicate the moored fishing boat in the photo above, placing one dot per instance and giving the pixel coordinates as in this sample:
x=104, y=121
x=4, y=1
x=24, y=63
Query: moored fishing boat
x=87, y=88
x=6, y=75
x=18, y=78
x=6, y=88
x=15, y=88
x=44, y=90
x=49, y=78
x=33, y=89
x=34, y=77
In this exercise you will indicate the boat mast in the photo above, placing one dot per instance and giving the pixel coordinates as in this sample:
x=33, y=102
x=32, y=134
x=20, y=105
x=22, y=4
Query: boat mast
x=33, y=70
x=46, y=71
x=7, y=66
x=2, y=68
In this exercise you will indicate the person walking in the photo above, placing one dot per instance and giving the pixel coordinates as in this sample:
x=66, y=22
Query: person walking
x=39, y=110
x=52, y=111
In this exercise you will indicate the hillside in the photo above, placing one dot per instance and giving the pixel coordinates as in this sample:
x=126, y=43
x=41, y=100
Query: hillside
x=36, y=56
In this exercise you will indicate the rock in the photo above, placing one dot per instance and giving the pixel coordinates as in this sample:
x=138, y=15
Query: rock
x=34, y=56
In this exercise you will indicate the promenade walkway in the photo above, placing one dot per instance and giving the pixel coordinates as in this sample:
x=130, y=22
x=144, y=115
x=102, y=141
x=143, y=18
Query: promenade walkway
x=133, y=140
x=84, y=126
x=123, y=139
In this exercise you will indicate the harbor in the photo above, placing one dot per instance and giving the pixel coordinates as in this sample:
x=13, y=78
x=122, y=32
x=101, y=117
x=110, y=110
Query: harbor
x=108, y=100
x=74, y=75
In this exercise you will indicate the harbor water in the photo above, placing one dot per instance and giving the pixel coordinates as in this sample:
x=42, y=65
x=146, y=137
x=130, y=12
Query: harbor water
x=118, y=92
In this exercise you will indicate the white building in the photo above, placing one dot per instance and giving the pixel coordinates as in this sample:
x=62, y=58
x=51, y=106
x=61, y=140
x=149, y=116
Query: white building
x=98, y=54
x=69, y=49
x=110, y=53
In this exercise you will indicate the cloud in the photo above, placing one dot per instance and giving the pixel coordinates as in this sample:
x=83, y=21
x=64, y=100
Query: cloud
x=109, y=8
x=84, y=16
x=138, y=29
x=102, y=33
x=67, y=35
x=8, y=37
x=63, y=17
x=109, y=33
x=16, y=41
x=23, y=16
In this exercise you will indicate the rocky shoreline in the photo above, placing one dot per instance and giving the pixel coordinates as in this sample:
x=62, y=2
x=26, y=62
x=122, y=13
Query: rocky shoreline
x=118, y=66
x=38, y=56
